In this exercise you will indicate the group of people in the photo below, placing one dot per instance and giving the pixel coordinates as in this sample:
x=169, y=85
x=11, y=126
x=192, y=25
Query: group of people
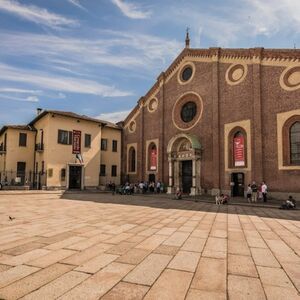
x=222, y=199
x=142, y=187
x=255, y=192
x=290, y=203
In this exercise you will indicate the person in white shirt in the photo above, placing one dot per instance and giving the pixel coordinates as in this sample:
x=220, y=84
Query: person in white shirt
x=158, y=187
x=141, y=187
x=264, y=190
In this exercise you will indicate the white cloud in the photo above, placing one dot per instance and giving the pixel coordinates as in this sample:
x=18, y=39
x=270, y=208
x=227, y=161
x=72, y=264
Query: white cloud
x=114, y=117
x=20, y=91
x=122, y=50
x=131, y=10
x=35, y=14
x=268, y=17
x=77, y=4
x=27, y=99
x=244, y=20
x=59, y=83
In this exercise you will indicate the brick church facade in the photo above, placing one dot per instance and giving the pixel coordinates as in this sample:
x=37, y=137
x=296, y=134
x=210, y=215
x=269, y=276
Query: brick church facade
x=216, y=120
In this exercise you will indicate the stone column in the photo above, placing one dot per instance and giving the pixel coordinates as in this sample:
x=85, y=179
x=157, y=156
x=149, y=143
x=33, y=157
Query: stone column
x=176, y=174
x=194, y=188
x=215, y=53
x=161, y=150
x=170, y=187
x=141, y=147
x=256, y=126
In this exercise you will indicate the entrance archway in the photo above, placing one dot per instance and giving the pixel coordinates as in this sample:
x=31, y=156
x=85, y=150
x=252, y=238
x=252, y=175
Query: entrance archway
x=184, y=156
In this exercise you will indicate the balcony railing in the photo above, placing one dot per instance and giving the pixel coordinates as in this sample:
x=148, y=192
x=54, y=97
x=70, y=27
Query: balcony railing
x=39, y=147
x=2, y=149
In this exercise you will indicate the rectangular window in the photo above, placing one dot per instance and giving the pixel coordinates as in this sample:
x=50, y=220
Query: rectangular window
x=102, y=170
x=64, y=137
x=115, y=146
x=103, y=144
x=50, y=172
x=63, y=174
x=113, y=171
x=87, y=140
x=22, y=139
x=43, y=167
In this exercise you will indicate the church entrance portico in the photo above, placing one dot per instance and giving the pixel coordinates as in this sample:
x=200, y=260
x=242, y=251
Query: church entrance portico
x=184, y=156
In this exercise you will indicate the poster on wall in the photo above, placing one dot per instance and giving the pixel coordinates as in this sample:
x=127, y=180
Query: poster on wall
x=239, y=151
x=153, y=159
x=76, y=145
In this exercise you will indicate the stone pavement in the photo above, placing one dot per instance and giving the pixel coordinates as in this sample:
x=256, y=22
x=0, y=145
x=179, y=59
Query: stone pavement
x=100, y=246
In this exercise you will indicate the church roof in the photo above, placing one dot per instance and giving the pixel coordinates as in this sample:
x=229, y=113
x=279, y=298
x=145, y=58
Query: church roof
x=262, y=54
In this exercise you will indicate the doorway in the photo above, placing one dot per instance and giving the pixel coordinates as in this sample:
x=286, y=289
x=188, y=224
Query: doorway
x=21, y=167
x=187, y=176
x=75, y=173
x=237, y=186
x=151, y=178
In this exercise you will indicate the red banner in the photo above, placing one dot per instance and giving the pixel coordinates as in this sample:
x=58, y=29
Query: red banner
x=153, y=159
x=239, y=151
x=76, y=144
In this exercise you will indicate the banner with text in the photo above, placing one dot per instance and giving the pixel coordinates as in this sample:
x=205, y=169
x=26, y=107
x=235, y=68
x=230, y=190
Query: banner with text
x=153, y=159
x=239, y=151
x=76, y=145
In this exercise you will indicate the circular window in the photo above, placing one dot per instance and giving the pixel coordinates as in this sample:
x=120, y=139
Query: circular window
x=187, y=73
x=152, y=105
x=236, y=73
x=188, y=111
x=132, y=126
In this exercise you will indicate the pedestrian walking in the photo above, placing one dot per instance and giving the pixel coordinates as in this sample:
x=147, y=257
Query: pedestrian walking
x=249, y=193
x=158, y=187
x=254, y=191
x=264, y=190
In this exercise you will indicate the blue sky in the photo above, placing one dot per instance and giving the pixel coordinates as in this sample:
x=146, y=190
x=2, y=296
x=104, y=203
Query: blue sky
x=98, y=57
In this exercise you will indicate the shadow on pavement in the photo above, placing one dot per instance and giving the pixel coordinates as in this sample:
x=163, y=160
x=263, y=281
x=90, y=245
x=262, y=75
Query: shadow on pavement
x=166, y=202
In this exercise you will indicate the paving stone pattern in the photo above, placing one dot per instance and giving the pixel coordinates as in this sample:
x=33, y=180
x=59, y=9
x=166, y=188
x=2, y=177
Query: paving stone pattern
x=103, y=246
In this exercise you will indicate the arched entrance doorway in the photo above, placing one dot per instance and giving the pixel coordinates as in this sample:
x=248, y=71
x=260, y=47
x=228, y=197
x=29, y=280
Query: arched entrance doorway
x=184, y=156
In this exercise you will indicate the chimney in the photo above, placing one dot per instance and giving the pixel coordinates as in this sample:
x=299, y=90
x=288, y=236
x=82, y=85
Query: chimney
x=38, y=111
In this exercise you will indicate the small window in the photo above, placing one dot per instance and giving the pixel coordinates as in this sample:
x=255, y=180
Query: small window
x=104, y=144
x=63, y=174
x=188, y=111
x=64, y=137
x=22, y=139
x=87, y=140
x=113, y=171
x=102, y=170
x=131, y=160
x=186, y=73
x=295, y=143
x=115, y=146
x=50, y=172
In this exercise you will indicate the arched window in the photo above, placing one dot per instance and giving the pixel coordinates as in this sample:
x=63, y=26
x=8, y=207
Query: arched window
x=295, y=143
x=291, y=141
x=237, y=148
x=132, y=160
x=152, y=157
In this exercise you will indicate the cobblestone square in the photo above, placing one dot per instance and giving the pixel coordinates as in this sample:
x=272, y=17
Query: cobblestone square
x=103, y=246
